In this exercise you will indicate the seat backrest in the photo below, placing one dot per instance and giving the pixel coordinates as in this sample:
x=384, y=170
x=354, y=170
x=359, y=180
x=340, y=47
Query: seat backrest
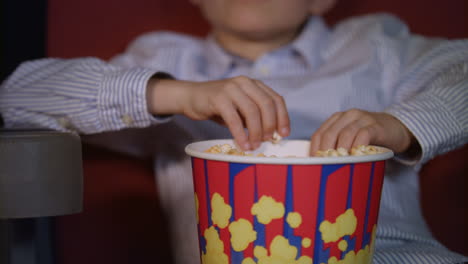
x=103, y=28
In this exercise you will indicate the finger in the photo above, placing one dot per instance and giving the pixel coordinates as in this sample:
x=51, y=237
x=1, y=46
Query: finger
x=363, y=136
x=282, y=116
x=233, y=121
x=347, y=135
x=316, y=138
x=265, y=104
x=330, y=138
x=250, y=113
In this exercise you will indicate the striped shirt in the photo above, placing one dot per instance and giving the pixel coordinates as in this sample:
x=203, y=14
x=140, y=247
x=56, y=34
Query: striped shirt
x=371, y=63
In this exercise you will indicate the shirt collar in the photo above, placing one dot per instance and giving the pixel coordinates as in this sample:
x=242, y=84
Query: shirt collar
x=306, y=45
x=219, y=61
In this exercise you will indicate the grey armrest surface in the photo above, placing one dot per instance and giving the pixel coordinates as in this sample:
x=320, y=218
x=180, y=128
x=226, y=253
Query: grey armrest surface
x=40, y=174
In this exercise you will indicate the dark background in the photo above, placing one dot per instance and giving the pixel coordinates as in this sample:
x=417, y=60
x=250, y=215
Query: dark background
x=23, y=32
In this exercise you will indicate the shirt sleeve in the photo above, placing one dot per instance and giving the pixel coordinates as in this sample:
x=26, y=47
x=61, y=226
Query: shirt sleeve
x=85, y=95
x=424, y=81
x=438, y=115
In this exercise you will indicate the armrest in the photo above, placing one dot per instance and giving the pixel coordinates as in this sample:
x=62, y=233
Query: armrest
x=443, y=198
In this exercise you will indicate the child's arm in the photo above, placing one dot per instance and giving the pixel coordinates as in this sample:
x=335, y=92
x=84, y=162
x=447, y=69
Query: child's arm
x=432, y=122
x=238, y=102
x=83, y=95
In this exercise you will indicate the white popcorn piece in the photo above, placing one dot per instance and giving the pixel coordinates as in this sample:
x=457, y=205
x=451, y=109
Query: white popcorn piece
x=359, y=150
x=331, y=153
x=355, y=151
x=342, y=152
x=276, y=138
x=225, y=148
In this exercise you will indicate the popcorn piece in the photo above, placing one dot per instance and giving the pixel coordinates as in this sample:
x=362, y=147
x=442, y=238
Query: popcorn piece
x=267, y=209
x=229, y=150
x=197, y=206
x=260, y=252
x=306, y=242
x=321, y=153
x=360, y=150
x=343, y=245
x=214, y=248
x=248, y=261
x=225, y=148
x=221, y=211
x=280, y=248
x=276, y=138
x=304, y=260
x=342, y=152
x=294, y=219
x=332, y=153
x=216, y=149
x=242, y=234
x=281, y=252
x=345, y=225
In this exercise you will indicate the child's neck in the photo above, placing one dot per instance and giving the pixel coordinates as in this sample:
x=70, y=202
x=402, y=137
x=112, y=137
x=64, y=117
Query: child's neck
x=252, y=48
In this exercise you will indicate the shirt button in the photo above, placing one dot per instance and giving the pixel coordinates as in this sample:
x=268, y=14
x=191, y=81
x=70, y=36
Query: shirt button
x=64, y=122
x=126, y=119
x=264, y=70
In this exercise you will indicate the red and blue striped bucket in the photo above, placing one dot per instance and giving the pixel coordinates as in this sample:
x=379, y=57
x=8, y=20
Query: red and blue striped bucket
x=304, y=210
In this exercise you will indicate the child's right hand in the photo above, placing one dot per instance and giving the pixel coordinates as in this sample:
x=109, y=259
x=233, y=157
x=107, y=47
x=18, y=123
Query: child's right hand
x=239, y=102
x=356, y=127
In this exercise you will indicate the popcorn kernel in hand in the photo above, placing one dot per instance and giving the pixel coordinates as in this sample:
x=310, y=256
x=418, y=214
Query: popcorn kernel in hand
x=276, y=138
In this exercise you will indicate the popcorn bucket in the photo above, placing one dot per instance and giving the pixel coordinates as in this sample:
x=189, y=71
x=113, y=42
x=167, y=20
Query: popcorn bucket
x=288, y=209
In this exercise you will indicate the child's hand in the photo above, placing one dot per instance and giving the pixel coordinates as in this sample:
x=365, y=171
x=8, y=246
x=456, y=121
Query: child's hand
x=357, y=127
x=239, y=102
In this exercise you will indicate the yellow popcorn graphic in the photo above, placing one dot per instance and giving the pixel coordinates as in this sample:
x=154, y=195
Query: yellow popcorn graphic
x=345, y=224
x=363, y=256
x=242, y=234
x=260, y=252
x=248, y=261
x=214, y=248
x=306, y=242
x=221, y=212
x=304, y=260
x=281, y=252
x=267, y=209
x=280, y=248
x=294, y=219
x=372, y=243
x=343, y=245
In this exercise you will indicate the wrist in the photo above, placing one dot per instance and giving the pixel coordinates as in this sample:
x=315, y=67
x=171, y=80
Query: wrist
x=409, y=146
x=165, y=96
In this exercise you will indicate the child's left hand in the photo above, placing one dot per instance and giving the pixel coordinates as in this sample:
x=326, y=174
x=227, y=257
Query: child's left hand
x=358, y=127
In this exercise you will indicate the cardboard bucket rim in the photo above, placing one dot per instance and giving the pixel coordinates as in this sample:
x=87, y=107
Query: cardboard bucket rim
x=290, y=147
